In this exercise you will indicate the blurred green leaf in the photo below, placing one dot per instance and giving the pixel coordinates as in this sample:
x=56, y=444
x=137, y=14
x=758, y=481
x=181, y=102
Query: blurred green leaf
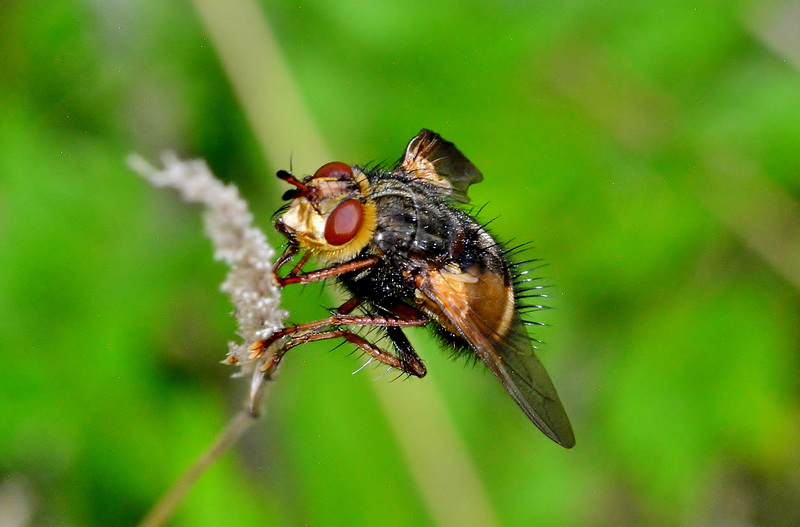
x=613, y=136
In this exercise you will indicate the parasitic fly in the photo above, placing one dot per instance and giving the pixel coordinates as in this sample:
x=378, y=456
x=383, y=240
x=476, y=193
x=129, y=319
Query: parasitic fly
x=409, y=256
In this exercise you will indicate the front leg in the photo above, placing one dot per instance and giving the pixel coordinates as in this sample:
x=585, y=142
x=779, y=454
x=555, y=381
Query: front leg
x=283, y=259
x=296, y=276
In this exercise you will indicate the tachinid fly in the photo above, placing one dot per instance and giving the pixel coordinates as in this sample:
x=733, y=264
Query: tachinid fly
x=409, y=256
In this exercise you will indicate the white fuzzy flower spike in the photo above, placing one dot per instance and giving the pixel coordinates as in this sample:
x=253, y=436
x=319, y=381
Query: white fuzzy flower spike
x=241, y=245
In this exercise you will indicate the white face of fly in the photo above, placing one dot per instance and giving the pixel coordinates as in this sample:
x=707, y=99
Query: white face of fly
x=332, y=215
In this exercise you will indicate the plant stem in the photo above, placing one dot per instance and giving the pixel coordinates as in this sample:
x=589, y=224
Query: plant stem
x=165, y=507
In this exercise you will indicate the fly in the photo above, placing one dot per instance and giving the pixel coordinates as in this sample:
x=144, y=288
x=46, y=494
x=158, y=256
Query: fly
x=409, y=256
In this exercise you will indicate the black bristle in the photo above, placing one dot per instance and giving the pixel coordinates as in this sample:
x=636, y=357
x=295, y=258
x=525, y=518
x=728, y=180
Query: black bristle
x=532, y=307
x=533, y=323
x=527, y=262
x=281, y=210
x=516, y=249
x=526, y=297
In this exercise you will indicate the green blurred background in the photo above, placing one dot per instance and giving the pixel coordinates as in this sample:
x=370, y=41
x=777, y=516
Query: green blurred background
x=650, y=150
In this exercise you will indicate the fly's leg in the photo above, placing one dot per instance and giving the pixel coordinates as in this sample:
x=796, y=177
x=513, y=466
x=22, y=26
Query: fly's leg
x=331, y=327
x=259, y=346
x=296, y=276
x=406, y=354
x=399, y=316
x=374, y=351
x=283, y=259
x=298, y=269
x=349, y=306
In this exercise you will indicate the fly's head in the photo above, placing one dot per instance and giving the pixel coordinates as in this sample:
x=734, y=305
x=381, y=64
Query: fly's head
x=330, y=213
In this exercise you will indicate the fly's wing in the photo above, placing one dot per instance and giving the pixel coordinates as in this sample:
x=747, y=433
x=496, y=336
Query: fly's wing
x=430, y=157
x=513, y=361
x=478, y=308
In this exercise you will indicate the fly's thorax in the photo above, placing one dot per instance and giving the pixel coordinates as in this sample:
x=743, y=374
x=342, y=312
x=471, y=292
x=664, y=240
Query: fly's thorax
x=413, y=219
x=332, y=215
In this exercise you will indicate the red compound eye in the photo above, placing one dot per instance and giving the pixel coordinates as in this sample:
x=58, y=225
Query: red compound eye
x=344, y=222
x=335, y=170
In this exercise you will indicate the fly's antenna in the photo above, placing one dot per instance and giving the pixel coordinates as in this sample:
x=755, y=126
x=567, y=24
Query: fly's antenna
x=302, y=188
